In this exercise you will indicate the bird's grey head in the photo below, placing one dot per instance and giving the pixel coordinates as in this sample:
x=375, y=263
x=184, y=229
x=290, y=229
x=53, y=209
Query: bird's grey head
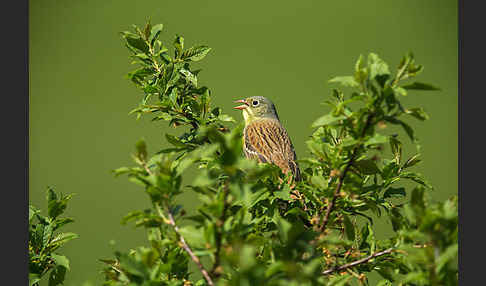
x=257, y=107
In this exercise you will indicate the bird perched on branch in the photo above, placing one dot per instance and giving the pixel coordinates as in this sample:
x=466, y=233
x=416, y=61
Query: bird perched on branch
x=264, y=137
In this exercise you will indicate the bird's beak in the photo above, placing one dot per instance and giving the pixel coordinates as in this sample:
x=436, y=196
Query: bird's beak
x=241, y=107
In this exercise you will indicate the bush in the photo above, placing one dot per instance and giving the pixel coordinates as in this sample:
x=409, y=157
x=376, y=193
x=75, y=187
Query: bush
x=250, y=228
x=44, y=239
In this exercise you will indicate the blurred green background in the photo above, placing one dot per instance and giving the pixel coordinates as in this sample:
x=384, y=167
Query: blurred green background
x=286, y=50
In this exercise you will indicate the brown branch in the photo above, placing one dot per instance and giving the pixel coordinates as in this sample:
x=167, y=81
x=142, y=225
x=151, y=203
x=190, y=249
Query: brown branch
x=343, y=174
x=357, y=262
x=182, y=241
x=184, y=244
x=186, y=247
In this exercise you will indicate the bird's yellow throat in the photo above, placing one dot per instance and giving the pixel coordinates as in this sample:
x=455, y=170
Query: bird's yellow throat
x=248, y=115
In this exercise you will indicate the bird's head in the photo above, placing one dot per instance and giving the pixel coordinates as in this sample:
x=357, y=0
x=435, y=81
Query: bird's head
x=257, y=107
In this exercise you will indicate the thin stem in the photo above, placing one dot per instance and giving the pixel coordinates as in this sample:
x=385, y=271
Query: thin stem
x=343, y=174
x=154, y=62
x=357, y=262
x=183, y=242
x=144, y=165
x=189, y=251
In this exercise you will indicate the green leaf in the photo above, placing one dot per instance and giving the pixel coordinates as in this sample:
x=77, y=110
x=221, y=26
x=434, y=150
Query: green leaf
x=32, y=212
x=121, y=171
x=56, y=206
x=327, y=119
x=345, y=81
x=136, y=42
x=283, y=193
x=384, y=282
x=47, y=234
x=450, y=208
x=202, y=179
x=247, y=257
x=367, y=166
x=62, y=238
x=226, y=118
x=257, y=197
x=319, y=182
x=131, y=266
x=377, y=139
x=448, y=255
x=179, y=45
x=316, y=148
x=378, y=69
x=412, y=161
x=60, y=260
x=57, y=276
x=417, y=199
x=418, y=113
x=415, y=278
x=420, y=86
x=405, y=126
x=195, y=54
x=360, y=73
x=394, y=192
x=339, y=280
x=34, y=278
x=154, y=33
x=146, y=30
x=416, y=178
x=283, y=227
x=348, y=141
x=274, y=268
x=190, y=77
x=175, y=141
x=141, y=147
x=400, y=91
x=359, y=64
x=396, y=148
x=51, y=196
x=349, y=228
x=194, y=236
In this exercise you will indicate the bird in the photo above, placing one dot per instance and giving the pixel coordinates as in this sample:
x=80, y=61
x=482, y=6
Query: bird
x=264, y=137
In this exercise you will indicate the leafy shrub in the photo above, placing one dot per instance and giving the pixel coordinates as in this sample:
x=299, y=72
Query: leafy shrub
x=45, y=239
x=250, y=229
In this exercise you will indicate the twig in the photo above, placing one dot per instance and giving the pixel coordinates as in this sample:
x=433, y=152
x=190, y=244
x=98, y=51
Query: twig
x=183, y=242
x=343, y=175
x=144, y=165
x=357, y=262
x=186, y=247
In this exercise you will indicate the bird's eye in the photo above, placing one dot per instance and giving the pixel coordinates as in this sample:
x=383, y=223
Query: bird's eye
x=255, y=102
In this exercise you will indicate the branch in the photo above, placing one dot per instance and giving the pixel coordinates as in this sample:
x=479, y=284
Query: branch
x=186, y=247
x=144, y=165
x=343, y=175
x=357, y=262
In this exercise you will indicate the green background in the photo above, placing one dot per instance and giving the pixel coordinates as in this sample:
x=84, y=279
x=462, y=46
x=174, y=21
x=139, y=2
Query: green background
x=286, y=50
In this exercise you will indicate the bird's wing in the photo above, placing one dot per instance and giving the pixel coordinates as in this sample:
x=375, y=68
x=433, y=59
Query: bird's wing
x=267, y=141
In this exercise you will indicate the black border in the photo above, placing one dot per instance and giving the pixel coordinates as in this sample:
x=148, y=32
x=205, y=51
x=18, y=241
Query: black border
x=15, y=141
x=472, y=77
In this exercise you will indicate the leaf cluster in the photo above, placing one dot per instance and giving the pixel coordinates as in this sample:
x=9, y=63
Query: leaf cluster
x=170, y=86
x=252, y=228
x=45, y=239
